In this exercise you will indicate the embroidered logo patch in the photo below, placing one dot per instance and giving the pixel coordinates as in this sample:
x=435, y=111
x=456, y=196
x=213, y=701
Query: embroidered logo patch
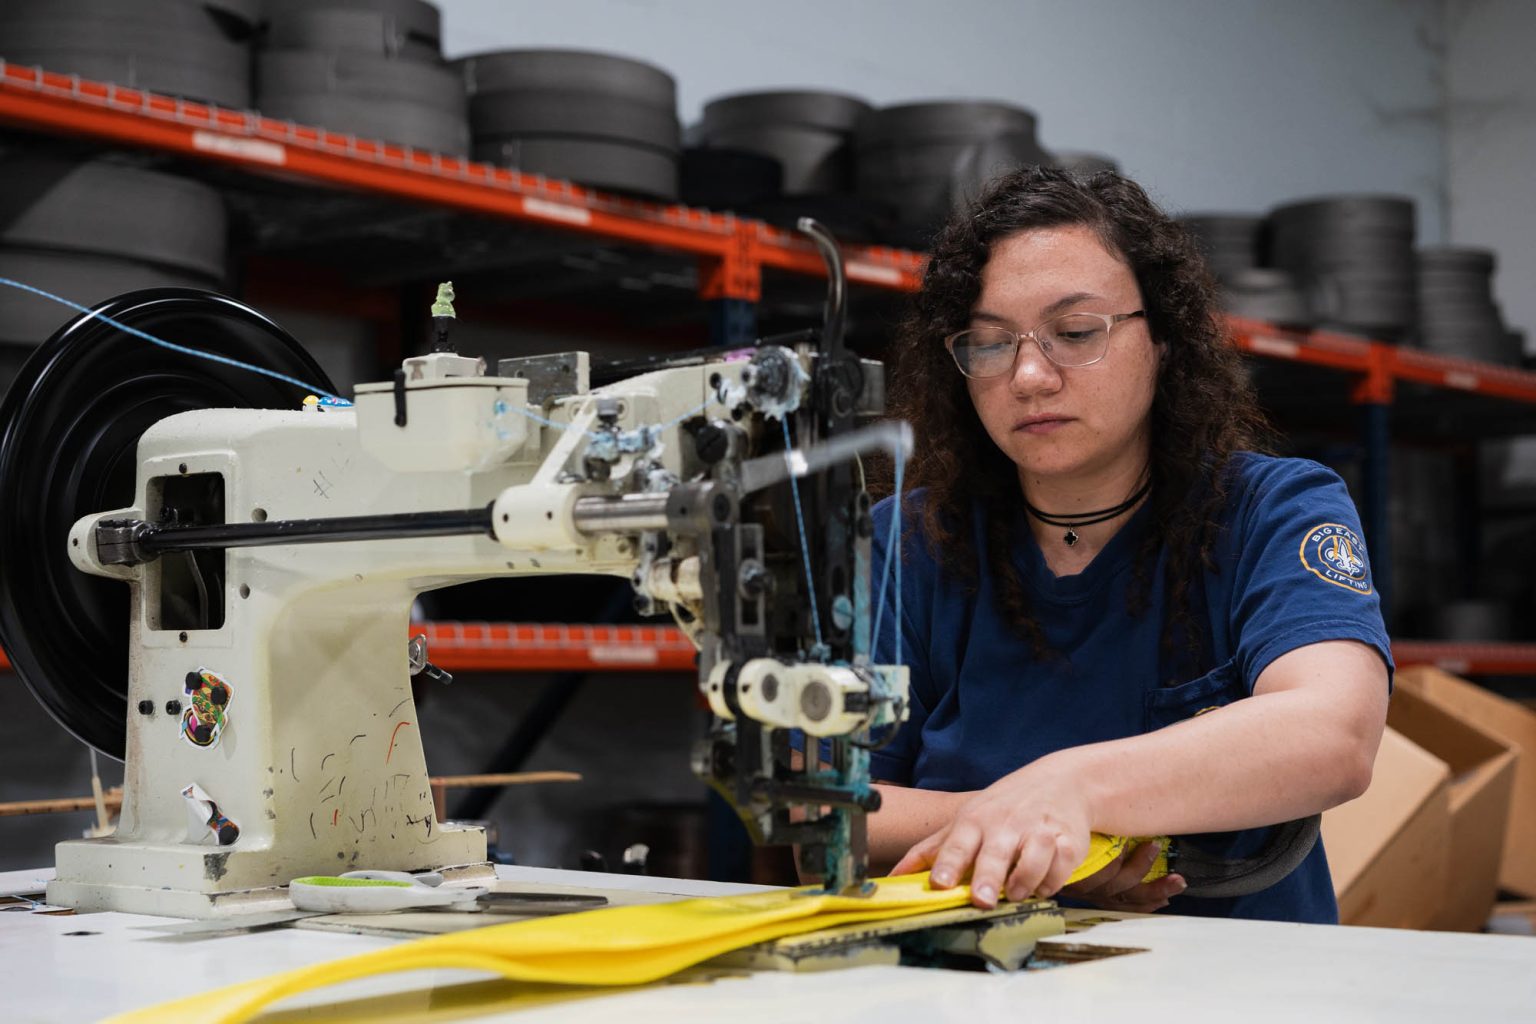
x=1334, y=552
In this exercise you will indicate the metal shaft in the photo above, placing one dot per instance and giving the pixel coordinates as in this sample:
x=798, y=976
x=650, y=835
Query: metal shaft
x=628, y=513
x=131, y=542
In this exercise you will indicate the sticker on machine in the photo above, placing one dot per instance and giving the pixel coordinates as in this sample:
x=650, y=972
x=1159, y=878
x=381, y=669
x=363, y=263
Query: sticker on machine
x=203, y=723
x=214, y=822
x=1335, y=553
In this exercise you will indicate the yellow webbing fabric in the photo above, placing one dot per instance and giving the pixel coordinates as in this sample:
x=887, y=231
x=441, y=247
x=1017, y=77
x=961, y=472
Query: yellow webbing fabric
x=613, y=946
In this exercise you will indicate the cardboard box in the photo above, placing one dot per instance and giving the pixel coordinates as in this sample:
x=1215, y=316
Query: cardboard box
x=1512, y=724
x=1388, y=849
x=1482, y=780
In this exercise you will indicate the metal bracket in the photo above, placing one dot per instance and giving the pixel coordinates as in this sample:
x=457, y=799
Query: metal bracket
x=549, y=376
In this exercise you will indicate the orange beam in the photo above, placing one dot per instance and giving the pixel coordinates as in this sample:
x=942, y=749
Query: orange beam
x=1335, y=351
x=1473, y=659
x=535, y=647
x=49, y=101
x=1465, y=375
x=525, y=647
x=1383, y=364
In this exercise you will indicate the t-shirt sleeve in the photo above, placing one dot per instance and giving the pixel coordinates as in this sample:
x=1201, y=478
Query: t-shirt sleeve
x=896, y=642
x=1303, y=572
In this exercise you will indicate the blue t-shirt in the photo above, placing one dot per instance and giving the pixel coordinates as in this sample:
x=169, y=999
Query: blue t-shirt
x=1291, y=570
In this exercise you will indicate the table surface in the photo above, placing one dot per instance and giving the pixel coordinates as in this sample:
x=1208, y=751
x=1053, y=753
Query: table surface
x=1200, y=970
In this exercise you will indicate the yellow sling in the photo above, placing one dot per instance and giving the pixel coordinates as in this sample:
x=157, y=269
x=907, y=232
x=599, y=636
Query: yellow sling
x=614, y=946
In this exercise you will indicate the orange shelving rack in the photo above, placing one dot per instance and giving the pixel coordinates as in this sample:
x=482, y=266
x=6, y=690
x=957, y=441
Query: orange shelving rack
x=732, y=253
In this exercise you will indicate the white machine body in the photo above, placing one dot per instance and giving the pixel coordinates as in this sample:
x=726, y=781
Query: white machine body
x=318, y=759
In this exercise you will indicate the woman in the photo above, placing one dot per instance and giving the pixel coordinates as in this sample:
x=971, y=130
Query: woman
x=1119, y=617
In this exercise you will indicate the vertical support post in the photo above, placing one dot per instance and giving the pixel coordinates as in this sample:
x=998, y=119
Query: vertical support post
x=732, y=283
x=1468, y=519
x=732, y=323
x=1374, y=396
x=1378, y=493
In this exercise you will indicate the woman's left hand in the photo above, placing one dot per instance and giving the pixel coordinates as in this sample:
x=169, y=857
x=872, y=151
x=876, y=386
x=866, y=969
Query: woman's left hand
x=1119, y=885
x=1023, y=835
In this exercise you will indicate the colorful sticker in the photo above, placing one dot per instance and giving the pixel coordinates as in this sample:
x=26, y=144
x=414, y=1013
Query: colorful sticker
x=203, y=722
x=223, y=829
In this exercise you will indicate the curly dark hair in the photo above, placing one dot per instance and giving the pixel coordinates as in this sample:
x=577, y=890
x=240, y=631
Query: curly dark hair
x=1202, y=412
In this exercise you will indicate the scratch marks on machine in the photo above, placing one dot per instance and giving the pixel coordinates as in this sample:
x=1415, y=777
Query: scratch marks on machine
x=325, y=486
x=361, y=821
x=397, y=802
x=391, y=752
x=326, y=798
x=204, y=720
x=224, y=831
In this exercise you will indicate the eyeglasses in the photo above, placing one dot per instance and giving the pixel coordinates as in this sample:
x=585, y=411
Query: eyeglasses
x=1075, y=339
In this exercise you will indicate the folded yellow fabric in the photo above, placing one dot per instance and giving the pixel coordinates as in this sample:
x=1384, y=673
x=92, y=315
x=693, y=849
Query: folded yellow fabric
x=613, y=946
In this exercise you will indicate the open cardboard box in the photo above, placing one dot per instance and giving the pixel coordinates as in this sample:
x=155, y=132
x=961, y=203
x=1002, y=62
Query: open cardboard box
x=1388, y=849
x=1514, y=725
x=1421, y=848
x=1482, y=780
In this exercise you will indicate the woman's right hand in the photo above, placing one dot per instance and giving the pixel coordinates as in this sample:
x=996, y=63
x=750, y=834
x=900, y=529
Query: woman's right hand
x=1119, y=886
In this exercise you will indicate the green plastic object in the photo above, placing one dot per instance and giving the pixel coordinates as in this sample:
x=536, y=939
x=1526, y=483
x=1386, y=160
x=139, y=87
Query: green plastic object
x=368, y=882
x=443, y=305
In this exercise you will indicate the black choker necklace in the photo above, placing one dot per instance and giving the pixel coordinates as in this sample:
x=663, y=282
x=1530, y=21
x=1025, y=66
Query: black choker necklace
x=1088, y=518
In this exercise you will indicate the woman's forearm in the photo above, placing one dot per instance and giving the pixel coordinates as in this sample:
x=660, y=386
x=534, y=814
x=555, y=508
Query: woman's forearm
x=1279, y=755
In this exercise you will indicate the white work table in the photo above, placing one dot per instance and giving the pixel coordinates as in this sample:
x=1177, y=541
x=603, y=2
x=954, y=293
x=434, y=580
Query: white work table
x=1198, y=970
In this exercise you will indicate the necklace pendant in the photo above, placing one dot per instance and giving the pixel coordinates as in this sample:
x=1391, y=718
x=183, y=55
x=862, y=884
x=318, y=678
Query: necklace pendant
x=1071, y=537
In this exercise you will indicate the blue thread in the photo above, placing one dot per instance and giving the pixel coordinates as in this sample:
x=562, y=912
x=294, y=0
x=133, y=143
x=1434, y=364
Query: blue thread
x=500, y=408
x=549, y=423
x=892, y=565
x=226, y=360
x=805, y=547
x=687, y=415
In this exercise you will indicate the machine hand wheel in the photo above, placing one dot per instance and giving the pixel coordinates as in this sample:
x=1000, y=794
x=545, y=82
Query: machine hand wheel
x=69, y=433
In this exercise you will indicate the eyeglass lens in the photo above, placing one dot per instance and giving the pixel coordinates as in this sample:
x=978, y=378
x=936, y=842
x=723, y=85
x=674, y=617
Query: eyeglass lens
x=1072, y=340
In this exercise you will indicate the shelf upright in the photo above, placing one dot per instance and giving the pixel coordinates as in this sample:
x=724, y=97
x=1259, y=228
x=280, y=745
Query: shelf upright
x=1373, y=394
x=732, y=285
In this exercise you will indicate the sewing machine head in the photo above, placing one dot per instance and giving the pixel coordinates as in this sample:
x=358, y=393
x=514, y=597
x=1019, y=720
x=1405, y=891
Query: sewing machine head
x=271, y=556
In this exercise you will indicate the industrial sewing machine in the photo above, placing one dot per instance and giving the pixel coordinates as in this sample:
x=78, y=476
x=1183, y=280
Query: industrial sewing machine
x=270, y=556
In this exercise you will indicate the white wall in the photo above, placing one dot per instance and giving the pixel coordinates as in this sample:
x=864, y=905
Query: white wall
x=1491, y=143
x=1213, y=104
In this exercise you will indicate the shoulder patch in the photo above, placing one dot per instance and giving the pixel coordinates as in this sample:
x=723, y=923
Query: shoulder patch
x=1335, y=553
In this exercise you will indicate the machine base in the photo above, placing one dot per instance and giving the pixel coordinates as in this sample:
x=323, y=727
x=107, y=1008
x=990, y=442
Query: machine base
x=206, y=883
